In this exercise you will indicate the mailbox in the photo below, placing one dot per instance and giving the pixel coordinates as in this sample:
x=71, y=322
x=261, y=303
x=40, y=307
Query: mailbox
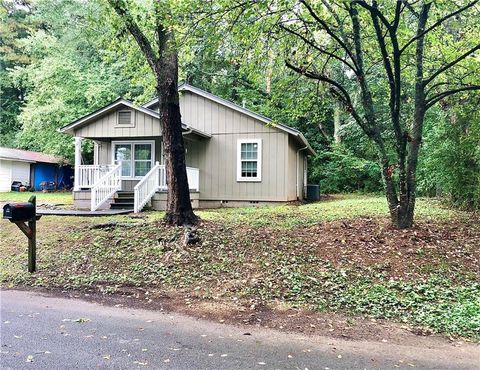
x=19, y=211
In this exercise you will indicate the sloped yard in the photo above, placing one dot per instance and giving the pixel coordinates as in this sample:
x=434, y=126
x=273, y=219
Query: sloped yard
x=267, y=265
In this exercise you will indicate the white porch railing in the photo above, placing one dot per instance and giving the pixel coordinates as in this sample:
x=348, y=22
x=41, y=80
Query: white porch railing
x=106, y=187
x=147, y=187
x=155, y=180
x=88, y=175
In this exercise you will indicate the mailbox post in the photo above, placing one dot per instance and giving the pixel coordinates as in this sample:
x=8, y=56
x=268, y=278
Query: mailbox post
x=24, y=215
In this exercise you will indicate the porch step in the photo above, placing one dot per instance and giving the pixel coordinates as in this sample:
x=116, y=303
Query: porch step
x=125, y=194
x=122, y=205
x=123, y=200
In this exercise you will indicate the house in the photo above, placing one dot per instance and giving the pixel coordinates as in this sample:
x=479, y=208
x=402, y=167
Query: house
x=234, y=156
x=32, y=169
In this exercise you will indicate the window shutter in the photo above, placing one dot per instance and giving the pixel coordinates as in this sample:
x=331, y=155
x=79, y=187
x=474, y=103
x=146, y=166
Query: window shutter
x=125, y=118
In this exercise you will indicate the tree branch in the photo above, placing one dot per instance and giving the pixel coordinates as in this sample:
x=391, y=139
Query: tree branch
x=331, y=33
x=451, y=64
x=373, y=9
x=437, y=23
x=121, y=9
x=436, y=98
x=321, y=50
x=340, y=92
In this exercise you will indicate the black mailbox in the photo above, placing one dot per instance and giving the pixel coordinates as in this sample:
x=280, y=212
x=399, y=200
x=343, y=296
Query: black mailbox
x=19, y=211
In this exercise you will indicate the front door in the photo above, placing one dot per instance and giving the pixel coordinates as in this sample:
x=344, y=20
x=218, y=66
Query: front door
x=136, y=157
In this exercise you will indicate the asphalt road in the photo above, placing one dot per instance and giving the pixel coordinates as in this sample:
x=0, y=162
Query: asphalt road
x=39, y=332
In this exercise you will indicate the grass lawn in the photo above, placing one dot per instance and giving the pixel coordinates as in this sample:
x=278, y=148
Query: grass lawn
x=340, y=255
x=52, y=198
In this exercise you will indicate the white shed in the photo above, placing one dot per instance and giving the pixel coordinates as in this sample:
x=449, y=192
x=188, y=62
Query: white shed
x=15, y=165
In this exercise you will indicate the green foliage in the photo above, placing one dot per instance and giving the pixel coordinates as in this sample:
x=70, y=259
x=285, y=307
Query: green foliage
x=451, y=163
x=340, y=171
x=14, y=28
x=436, y=302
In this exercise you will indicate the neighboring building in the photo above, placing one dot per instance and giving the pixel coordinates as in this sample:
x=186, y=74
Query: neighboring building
x=32, y=169
x=234, y=156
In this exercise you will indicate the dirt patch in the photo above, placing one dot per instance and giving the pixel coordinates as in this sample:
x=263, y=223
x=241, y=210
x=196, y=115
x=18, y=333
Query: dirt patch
x=406, y=254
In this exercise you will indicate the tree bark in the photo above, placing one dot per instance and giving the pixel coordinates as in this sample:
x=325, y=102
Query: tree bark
x=179, y=207
x=337, y=123
x=408, y=184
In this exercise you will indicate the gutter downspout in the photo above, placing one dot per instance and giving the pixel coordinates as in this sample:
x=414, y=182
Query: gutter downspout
x=296, y=171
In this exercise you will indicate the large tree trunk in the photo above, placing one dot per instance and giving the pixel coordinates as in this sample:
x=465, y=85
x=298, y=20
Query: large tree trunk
x=179, y=207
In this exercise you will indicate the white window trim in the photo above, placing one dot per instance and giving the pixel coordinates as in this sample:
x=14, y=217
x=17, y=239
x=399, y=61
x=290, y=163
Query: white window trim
x=239, y=160
x=132, y=142
x=132, y=117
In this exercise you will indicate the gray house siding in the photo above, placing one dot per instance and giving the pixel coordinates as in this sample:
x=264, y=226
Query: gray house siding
x=106, y=127
x=218, y=160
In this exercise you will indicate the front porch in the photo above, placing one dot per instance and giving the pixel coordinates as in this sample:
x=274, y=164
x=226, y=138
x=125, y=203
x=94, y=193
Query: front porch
x=125, y=174
x=100, y=187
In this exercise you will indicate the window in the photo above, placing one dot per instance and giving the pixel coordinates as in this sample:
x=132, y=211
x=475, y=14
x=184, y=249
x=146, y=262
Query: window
x=249, y=160
x=136, y=157
x=125, y=118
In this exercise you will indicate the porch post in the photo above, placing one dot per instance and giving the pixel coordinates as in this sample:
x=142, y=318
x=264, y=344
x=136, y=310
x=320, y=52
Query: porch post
x=78, y=162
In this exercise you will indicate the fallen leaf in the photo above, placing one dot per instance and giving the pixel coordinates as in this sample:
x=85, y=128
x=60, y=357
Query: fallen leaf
x=81, y=320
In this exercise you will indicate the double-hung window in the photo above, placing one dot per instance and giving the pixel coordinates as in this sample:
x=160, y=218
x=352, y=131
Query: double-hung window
x=249, y=160
x=137, y=158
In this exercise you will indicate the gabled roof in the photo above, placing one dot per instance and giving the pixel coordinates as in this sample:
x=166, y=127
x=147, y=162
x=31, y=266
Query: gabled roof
x=113, y=106
x=238, y=108
x=28, y=156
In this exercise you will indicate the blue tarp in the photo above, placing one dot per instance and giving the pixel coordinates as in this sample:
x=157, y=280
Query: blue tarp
x=52, y=172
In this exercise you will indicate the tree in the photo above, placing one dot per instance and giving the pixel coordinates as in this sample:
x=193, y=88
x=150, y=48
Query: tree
x=401, y=58
x=69, y=73
x=14, y=28
x=162, y=57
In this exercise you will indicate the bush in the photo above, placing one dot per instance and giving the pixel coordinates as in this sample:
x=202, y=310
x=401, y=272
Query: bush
x=450, y=158
x=339, y=170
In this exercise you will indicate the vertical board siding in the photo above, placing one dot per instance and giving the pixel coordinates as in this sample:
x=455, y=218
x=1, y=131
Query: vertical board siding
x=106, y=127
x=292, y=170
x=217, y=156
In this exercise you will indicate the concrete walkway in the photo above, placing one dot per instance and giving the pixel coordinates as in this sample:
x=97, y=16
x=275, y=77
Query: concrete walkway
x=83, y=213
x=39, y=332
